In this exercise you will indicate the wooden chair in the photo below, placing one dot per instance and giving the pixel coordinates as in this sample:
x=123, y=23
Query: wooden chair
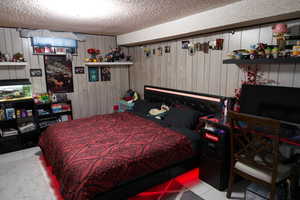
x=255, y=151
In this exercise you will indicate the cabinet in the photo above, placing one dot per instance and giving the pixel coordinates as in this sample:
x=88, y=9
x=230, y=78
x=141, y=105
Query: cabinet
x=18, y=126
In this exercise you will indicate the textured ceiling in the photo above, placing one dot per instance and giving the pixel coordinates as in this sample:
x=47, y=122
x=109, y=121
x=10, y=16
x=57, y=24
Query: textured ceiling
x=111, y=17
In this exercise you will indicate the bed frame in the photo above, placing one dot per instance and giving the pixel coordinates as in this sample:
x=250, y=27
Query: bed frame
x=208, y=104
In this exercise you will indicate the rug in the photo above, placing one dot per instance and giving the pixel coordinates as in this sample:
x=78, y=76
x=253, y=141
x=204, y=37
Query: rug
x=23, y=178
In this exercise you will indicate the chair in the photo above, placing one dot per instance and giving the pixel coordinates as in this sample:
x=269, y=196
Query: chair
x=255, y=151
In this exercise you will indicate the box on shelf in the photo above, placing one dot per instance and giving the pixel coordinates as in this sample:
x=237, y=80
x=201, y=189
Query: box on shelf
x=27, y=127
x=64, y=118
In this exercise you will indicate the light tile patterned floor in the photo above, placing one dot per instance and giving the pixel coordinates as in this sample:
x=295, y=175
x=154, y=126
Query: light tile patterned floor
x=208, y=192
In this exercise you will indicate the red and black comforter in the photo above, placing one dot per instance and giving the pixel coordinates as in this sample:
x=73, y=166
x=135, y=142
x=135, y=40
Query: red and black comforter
x=95, y=154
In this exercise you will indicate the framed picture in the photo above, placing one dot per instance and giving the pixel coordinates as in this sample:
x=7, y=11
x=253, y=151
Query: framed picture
x=159, y=51
x=105, y=74
x=167, y=49
x=59, y=76
x=79, y=70
x=153, y=51
x=185, y=44
x=93, y=74
x=36, y=73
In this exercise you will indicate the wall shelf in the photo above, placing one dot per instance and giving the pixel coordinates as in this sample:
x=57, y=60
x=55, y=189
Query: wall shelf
x=107, y=63
x=13, y=64
x=291, y=60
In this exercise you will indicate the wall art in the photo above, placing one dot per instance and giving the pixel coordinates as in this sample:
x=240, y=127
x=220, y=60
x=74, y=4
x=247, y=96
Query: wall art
x=93, y=74
x=105, y=74
x=185, y=44
x=79, y=70
x=59, y=75
x=36, y=73
x=167, y=49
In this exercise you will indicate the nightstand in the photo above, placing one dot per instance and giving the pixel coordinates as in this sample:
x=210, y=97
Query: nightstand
x=215, y=152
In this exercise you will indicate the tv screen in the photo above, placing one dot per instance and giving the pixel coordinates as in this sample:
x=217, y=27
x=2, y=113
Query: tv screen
x=281, y=103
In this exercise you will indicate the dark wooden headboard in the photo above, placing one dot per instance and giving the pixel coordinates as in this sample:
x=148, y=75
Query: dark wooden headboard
x=204, y=103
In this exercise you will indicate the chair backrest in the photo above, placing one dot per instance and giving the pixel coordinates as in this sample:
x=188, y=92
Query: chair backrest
x=255, y=141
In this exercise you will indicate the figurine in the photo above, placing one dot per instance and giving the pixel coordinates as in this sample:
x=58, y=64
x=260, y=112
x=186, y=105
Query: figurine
x=275, y=52
x=261, y=49
x=268, y=51
x=253, y=52
x=18, y=57
x=279, y=31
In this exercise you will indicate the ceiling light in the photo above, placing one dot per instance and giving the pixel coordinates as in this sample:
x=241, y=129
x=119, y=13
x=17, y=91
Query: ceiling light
x=80, y=9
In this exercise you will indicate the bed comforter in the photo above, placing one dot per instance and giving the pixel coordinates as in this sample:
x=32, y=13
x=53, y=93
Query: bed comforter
x=96, y=154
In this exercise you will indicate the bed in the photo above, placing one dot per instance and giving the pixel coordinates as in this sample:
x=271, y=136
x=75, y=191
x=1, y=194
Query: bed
x=118, y=155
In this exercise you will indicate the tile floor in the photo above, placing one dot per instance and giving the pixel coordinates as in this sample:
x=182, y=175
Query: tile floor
x=207, y=192
x=18, y=168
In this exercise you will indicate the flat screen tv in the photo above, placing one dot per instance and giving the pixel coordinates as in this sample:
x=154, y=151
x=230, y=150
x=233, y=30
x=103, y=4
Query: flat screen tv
x=281, y=103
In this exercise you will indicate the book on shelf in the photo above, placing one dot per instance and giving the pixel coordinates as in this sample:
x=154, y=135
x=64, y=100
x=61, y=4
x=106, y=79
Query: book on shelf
x=10, y=113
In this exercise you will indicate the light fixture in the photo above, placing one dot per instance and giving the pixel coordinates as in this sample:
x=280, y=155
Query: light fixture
x=88, y=9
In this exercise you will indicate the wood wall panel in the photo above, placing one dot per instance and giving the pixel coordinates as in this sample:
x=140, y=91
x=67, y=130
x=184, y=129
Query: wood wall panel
x=88, y=98
x=206, y=73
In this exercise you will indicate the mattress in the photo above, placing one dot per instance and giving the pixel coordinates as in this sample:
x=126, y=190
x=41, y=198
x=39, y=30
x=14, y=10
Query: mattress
x=93, y=155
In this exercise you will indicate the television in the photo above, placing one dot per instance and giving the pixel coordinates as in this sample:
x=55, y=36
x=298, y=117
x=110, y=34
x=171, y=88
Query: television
x=281, y=103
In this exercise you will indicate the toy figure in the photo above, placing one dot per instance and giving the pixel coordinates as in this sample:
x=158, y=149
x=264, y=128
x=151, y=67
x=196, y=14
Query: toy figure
x=268, y=51
x=261, y=49
x=252, y=52
x=279, y=31
x=18, y=57
x=275, y=52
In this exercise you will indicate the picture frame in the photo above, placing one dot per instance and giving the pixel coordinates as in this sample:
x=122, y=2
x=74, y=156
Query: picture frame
x=79, y=70
x=185, y=44
x=105, y=74
x=159, y=51
x=59, y=74
x=93, y=73
x=36, y=73
x=153, y=52
x=167, y=49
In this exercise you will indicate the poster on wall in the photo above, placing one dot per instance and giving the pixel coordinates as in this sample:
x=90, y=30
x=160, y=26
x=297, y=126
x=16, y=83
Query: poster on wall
x=105, y=74
x=59, y=76
x=93, y=74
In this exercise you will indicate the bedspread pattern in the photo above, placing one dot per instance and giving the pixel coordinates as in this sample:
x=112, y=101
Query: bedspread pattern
x=95, y=154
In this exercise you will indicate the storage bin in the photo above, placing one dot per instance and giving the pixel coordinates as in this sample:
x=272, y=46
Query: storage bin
x=124, y=105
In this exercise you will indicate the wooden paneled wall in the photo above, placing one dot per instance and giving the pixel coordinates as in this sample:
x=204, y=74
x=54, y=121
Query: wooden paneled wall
x=206, y=73
x=89, y=98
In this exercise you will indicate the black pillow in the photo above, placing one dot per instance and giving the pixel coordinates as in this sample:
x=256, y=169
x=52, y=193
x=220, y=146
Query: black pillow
x=182, y=118
x=143, y=106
